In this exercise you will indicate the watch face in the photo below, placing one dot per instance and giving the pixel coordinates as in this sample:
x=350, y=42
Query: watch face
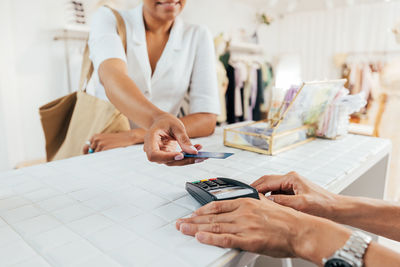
x=337, y=263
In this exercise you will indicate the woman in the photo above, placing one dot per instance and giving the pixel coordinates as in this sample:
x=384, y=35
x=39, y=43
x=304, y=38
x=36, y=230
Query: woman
x=165, y=58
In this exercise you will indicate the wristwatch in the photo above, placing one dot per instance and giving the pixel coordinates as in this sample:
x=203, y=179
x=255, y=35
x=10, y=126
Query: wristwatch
x=351, y=254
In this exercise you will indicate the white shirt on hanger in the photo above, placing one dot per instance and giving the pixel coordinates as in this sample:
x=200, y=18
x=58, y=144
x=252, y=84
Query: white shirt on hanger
x=188, y=61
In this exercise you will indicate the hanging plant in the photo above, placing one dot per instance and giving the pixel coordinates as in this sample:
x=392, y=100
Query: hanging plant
x=263, y=18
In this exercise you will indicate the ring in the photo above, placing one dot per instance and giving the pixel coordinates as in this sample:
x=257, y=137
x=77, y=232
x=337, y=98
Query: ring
x=90, y=151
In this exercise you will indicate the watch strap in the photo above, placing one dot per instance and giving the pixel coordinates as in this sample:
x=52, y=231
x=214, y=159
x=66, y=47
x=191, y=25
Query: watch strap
x=354, y=249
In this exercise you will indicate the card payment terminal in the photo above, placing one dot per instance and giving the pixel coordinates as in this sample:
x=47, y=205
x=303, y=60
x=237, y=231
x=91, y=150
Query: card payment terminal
x=208, y=190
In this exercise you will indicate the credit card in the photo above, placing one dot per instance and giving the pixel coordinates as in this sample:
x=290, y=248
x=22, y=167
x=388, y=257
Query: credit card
x=210, y=155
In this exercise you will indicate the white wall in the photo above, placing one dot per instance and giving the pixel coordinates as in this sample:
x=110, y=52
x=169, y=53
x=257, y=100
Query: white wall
x=9, y=103
x=32, y=73
x=318, y=35
x=221, y=15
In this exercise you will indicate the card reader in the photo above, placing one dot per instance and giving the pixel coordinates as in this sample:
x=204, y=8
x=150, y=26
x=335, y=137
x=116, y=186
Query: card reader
x=208, y=190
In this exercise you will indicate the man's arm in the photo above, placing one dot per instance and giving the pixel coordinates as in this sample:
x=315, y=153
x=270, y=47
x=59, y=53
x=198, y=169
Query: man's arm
x=375, y=216
x=327, y=237
x=264, y=227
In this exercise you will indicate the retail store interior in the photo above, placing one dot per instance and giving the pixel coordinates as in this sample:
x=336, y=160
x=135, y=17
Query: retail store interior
x=262, y=48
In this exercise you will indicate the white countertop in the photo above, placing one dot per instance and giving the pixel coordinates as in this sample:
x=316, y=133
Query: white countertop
x=117, y=209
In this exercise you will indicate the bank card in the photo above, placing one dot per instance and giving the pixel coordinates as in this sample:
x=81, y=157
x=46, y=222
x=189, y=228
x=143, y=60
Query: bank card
x=209, y=155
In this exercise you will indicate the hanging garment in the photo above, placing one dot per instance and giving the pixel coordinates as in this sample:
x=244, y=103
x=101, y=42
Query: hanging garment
x=268, y=77
x=355, y=79
x=374, y=104
x=241, y=75
x=366, y=80
x=247, y=93
x=390, y=128
x=253, y=92
x=259, y=97
x=230, y=95
x=222, y=86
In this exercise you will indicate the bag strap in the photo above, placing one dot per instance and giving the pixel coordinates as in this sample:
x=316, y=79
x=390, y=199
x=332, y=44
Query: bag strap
x=87, y=65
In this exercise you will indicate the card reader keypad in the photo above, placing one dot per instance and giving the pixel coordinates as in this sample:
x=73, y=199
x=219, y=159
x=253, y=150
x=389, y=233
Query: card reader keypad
x=220, y=182
x=208, y=190
x=211, y=183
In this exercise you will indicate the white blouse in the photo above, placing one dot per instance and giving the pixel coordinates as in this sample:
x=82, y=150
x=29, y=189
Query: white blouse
x=187, y=62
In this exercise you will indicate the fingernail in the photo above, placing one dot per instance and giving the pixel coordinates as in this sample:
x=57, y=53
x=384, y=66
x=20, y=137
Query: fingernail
x=179, y=157
x=199, y=160
x=193, y=147
x=193, y=215
x=184, y=227
x=271, y=198
x=199, y=236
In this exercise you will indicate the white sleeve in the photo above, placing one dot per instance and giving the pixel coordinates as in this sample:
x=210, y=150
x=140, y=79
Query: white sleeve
x=104, y=41
x=204, y=96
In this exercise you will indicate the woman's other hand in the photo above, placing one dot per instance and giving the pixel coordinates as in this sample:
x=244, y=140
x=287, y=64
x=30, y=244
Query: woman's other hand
x=294, y=191
x=102, y=142
x=159, y=141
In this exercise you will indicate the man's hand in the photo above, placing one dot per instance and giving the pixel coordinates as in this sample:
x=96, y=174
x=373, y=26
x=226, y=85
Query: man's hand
x=264, y=227
x=294, y=191
x=259, y=226
x=161, y=139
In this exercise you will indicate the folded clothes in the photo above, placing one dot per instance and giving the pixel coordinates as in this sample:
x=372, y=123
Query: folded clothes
x=336, y=118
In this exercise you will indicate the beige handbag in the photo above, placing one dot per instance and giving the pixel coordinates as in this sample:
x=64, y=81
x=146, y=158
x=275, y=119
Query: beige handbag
x=68, y=122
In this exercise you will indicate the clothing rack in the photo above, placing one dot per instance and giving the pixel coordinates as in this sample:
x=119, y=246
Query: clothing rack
x=249, y=75
x=245, y=48
x=373, y=53
x=248, y=53
x=367, y=56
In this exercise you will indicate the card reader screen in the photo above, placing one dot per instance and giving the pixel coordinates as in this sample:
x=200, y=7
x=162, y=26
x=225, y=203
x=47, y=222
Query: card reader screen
x=230, y=192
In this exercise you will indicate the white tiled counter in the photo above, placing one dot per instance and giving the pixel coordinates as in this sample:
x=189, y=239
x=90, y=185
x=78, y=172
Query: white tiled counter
x=117, y=209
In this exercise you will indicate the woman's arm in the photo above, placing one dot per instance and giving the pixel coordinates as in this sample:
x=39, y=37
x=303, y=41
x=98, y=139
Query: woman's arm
x=125, y=95
x=161, y=127
x=375, y=216
x=196, y=125
x=200, y=124
x=109, y=59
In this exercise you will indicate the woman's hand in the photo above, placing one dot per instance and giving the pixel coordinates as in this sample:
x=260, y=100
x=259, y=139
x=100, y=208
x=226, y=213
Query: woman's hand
x=102, y=142
x=294, y=191
x=161, y=139
x=264, y=227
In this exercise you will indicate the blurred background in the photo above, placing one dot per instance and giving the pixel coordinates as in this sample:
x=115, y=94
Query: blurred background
x=302, y=40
